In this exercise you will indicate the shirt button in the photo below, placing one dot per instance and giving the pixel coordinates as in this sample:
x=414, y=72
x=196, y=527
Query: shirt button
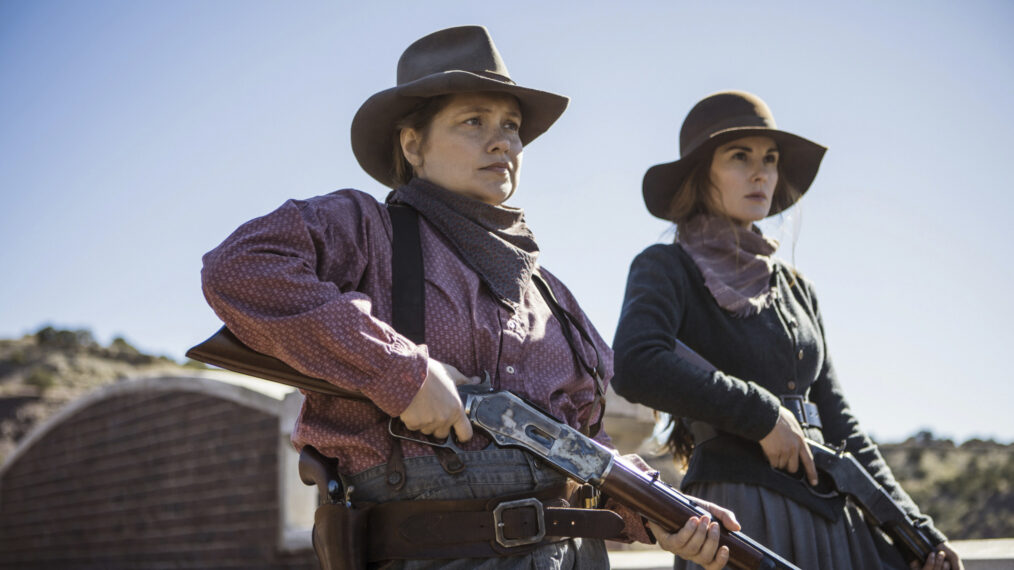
x=510, y=370
x=800, y=355
x=512, y=325
x=791, y=385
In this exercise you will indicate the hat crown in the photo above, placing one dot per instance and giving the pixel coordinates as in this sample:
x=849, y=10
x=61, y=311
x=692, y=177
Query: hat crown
x=722, y=112
x=465, y=48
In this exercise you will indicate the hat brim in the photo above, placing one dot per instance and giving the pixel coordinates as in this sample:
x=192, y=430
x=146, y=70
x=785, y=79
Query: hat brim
x=799, y=157
x=373, y=125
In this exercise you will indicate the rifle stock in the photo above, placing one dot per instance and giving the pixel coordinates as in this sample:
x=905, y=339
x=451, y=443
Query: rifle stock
x=224, y=350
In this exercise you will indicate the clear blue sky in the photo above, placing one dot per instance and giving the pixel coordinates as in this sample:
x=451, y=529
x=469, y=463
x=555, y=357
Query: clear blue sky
x=135, y=135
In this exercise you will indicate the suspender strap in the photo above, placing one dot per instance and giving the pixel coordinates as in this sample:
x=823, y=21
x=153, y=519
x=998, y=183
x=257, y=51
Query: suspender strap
x=408, y=304
x=407, y=294
x=567, y=321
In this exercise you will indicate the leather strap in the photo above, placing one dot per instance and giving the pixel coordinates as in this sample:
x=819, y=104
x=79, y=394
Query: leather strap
x=481, y=528
x=805, y=411
x=407, y=293
x=567, y=320
x=408, y=304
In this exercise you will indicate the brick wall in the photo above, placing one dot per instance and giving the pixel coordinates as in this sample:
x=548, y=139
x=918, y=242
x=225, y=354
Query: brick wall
x=148, y=479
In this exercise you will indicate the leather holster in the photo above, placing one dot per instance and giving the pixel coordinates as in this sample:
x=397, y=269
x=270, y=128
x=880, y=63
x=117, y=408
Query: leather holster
x=339, y=536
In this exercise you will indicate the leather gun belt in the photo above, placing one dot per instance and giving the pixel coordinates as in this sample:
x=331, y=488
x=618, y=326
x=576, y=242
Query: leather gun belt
x=481, y=528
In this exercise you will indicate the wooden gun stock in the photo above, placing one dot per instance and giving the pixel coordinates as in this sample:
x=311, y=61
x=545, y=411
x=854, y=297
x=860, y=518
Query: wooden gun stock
x=224, y=350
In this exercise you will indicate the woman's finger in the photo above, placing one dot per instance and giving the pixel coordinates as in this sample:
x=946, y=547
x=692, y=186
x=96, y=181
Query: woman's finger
x=806, y=456
x=721, y=559
x=792, y=462
x=700, y=535
x=721, y=514
x=709, y=547
x=463, y=428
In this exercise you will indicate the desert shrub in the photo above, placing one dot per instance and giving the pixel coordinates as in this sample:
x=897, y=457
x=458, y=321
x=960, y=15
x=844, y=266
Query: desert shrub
x=60, y=338
x=42, y=378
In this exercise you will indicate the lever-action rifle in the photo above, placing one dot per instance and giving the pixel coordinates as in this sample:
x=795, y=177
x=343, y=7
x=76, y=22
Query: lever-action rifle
x=512, y=422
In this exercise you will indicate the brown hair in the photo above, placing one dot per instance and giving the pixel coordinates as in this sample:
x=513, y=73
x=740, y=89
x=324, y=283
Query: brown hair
x=695, y=196
x=418, y=119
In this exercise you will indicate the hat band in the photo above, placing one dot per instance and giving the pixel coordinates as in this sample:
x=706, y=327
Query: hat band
x=740, y=122
x=495, y=76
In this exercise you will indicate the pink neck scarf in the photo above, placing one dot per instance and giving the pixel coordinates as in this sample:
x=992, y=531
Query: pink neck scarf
x=736, y=262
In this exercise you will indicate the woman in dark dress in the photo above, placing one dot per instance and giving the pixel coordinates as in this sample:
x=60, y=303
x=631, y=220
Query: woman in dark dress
x=719, y=290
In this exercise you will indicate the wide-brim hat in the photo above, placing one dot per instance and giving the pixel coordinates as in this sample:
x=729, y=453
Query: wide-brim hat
x=724, y=117
x=455, y=60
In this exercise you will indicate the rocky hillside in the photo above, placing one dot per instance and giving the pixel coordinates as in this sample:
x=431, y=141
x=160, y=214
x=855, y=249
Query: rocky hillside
x=968, y=489
x=41, y=372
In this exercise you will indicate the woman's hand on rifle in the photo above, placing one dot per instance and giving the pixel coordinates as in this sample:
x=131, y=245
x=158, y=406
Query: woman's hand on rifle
x=942, y=558
x=436, y=408
x=697, y=541
x=786, y=448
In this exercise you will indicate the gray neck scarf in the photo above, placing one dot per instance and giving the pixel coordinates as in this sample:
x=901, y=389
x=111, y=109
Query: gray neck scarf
x=493, y=240
x=736, y=262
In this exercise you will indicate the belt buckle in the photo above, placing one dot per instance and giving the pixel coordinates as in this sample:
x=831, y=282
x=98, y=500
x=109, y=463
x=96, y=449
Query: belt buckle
x=498, y=524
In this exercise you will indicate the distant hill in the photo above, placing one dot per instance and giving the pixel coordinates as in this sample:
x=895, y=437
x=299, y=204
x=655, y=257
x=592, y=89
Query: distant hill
x=41, y=372
x=967, y=488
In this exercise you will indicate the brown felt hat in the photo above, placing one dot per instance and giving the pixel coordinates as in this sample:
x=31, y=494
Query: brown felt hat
x=724, y=117
x=455, y=60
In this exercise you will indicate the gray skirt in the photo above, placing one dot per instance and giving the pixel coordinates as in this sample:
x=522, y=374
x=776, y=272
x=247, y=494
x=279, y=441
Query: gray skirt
x=796, y=533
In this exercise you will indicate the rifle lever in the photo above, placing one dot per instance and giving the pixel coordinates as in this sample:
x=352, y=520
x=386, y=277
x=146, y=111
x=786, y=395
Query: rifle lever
x=397, y=428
